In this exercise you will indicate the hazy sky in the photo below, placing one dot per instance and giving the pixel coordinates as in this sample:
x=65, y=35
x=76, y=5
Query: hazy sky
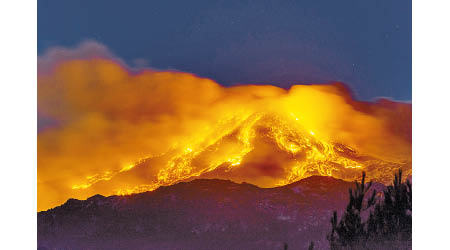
x=366, y=44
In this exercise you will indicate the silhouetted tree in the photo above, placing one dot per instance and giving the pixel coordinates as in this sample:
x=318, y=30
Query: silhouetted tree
x=389, y=220
x=351, y=228
x=392, y=217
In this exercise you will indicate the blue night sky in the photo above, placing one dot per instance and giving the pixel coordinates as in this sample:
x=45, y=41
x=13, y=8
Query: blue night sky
x=364, y=43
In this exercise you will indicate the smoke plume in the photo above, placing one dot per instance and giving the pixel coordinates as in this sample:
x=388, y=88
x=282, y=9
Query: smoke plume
x=105, y=128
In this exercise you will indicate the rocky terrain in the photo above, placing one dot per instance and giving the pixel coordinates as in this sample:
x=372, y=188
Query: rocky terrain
x=200, y=214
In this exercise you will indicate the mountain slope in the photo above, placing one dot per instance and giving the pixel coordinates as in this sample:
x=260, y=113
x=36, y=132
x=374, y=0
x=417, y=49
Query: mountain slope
x=200, y=214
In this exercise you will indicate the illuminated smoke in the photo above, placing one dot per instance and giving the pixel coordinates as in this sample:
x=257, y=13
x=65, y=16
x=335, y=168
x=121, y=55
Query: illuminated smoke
x=118, y=132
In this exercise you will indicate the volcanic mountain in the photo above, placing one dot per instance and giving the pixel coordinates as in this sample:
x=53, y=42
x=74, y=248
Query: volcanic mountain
x=199, y=214
x=265, y=150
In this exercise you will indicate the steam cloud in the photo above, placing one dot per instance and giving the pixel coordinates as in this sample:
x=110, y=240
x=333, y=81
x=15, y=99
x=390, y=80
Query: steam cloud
x=109, y=129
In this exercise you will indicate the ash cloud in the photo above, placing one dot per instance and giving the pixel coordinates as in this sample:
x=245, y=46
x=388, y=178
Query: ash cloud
x=97, y=118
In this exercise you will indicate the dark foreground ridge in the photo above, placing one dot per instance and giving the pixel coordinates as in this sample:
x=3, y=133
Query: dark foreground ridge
x=200, y=214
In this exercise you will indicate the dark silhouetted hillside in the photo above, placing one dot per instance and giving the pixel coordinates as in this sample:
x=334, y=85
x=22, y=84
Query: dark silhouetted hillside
x=200, y=214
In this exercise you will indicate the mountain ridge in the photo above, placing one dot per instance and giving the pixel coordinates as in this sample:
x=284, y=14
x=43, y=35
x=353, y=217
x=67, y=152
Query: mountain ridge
x=199, y=214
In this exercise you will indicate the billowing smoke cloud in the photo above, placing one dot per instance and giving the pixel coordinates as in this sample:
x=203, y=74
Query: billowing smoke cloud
x=114, y=130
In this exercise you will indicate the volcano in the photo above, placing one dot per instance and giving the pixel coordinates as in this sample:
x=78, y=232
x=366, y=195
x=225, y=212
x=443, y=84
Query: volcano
x=262, y=149
x=158, y=128
x=200, y=214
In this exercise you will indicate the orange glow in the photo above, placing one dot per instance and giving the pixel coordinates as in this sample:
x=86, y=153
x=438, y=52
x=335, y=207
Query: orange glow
x=122, y=133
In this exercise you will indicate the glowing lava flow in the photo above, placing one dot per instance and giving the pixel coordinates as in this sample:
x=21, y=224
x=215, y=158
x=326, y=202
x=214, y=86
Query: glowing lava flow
x=305, y=154
x=122, y=133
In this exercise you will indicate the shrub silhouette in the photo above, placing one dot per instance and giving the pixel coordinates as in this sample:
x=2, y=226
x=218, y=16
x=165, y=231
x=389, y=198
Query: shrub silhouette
x=389, y=220
x=311, y=246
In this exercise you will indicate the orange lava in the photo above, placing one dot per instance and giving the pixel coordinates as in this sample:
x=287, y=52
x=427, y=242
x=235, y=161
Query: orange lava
x=119, y=132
